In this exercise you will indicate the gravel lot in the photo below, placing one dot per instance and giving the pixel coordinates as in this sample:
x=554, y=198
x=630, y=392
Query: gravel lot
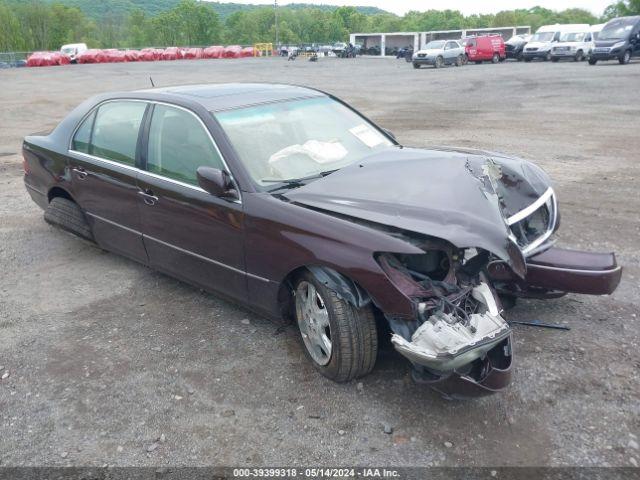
x=105, y=357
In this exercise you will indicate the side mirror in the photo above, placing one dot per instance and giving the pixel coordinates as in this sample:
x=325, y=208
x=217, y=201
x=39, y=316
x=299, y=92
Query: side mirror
x=217, y=182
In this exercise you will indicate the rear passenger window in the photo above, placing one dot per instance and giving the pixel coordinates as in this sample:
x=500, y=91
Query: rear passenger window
x=179, y=144
x=115, y=131
x=83, y=135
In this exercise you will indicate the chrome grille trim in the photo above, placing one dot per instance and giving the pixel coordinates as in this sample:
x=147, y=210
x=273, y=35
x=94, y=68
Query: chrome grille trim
x=534, y=246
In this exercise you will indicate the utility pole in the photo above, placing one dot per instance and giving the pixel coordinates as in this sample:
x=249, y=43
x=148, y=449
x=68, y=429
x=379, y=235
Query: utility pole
x=275, y=8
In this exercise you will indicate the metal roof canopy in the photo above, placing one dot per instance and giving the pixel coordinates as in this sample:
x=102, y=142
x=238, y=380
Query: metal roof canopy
x=385, y=40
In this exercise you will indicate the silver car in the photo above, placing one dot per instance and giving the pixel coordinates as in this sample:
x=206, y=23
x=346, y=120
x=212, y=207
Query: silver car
x=439, y=53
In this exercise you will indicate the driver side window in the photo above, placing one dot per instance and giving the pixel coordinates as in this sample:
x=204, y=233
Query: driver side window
x=179, y=144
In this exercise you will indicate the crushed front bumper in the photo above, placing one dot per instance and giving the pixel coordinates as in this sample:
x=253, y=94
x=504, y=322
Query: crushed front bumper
x=424, y=60
x=560, y=270
x=483, y=377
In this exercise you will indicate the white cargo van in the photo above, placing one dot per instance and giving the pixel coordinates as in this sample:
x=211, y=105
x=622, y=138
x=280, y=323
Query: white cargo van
x=576, y=45
x=546, y=37
x=72, y=50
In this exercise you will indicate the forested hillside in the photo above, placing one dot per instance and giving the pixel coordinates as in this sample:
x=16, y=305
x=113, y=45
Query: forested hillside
x=47, y=24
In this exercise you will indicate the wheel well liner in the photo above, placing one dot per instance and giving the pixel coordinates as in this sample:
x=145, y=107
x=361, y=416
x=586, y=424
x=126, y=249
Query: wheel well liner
x=59, y=192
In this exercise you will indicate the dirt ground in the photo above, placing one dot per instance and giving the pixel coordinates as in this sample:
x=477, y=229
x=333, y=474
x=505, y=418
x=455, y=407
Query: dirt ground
x=105, y=356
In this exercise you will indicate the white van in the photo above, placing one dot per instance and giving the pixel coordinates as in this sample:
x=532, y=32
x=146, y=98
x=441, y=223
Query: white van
x=576, y=45
x=72, y=50
x=546, y=37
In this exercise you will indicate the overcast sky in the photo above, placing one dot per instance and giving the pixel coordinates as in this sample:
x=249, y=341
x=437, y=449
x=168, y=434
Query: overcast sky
x=467, y=7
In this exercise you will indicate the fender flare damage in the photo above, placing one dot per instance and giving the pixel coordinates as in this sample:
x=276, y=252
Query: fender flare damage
x=343, y=286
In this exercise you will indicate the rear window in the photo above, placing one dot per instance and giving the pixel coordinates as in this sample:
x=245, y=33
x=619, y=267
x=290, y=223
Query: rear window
x=112, y=131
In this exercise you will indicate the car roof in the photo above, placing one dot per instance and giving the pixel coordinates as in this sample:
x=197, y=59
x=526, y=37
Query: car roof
x=229, y=96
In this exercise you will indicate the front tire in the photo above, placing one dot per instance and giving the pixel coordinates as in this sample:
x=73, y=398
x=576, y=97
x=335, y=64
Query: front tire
x=459, y=61
x=592, y=61
x=439, y=62
x=340, y=339
x=66, y=214
x=625, y=58
x=579, y=56
x=495, y=58
x=416, y=65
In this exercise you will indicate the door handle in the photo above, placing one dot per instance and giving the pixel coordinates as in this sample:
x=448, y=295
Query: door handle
x=148, y=197
x=80, y=172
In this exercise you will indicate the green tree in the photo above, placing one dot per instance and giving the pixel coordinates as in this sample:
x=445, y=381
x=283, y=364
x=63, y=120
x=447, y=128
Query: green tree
x=11, y=37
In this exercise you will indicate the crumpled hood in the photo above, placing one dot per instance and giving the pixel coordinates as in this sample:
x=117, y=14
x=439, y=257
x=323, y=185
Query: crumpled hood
x=453, y=195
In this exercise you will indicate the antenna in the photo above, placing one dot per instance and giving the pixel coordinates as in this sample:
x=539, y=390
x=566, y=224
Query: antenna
x=152, y=84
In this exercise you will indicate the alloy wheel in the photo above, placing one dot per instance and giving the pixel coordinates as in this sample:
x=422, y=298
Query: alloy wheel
x=313, y=321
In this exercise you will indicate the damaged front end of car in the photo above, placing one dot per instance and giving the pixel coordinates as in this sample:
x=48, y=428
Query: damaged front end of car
x=457, y=341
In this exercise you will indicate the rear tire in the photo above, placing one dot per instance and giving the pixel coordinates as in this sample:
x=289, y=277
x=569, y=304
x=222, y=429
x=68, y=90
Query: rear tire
x=416, y=65
x=526, y=59
x=495, y=58
x=67, y=215
x=592, y=61
x=352, y=333
x=555, y=60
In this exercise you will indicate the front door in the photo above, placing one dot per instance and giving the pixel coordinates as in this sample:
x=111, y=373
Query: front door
x=102, y=162
x=188, y=232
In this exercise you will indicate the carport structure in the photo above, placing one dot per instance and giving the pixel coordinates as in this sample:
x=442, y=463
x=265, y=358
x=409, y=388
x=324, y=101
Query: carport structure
x=384, y=43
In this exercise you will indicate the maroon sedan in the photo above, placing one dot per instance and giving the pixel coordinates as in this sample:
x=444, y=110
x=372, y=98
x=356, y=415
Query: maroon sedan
x=287, y=200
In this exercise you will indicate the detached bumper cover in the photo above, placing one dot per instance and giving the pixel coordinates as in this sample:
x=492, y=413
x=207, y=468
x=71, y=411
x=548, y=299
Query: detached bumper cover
x=484, y=377
x=564, y=270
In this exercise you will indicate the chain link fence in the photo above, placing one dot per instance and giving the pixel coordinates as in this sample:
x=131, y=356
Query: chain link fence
x=13, y=59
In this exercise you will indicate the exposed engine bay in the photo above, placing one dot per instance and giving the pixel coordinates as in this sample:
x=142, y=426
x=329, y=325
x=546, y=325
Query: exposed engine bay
x=457, y=321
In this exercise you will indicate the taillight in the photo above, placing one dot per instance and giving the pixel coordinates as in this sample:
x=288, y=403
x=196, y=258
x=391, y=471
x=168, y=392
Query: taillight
x=25, y=164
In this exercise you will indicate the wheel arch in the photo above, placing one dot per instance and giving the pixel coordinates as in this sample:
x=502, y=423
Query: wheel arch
x=344, y=286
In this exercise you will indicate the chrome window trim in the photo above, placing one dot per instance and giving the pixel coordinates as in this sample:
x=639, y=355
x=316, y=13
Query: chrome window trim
x=155, y=175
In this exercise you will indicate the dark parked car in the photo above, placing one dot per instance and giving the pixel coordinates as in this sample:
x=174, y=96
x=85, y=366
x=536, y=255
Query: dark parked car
x=287, y=200
x=619, y=39
x=515, y=45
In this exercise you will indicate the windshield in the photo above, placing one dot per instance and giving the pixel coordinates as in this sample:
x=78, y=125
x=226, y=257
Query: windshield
x=615, y=30
x=435, y=45
x=542, y=37
x=68, y=50
x=572, y=37
x=298, y=139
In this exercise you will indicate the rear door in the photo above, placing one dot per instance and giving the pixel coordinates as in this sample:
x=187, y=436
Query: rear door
x=102, y=160
x=451, y=51
x=188, y=232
